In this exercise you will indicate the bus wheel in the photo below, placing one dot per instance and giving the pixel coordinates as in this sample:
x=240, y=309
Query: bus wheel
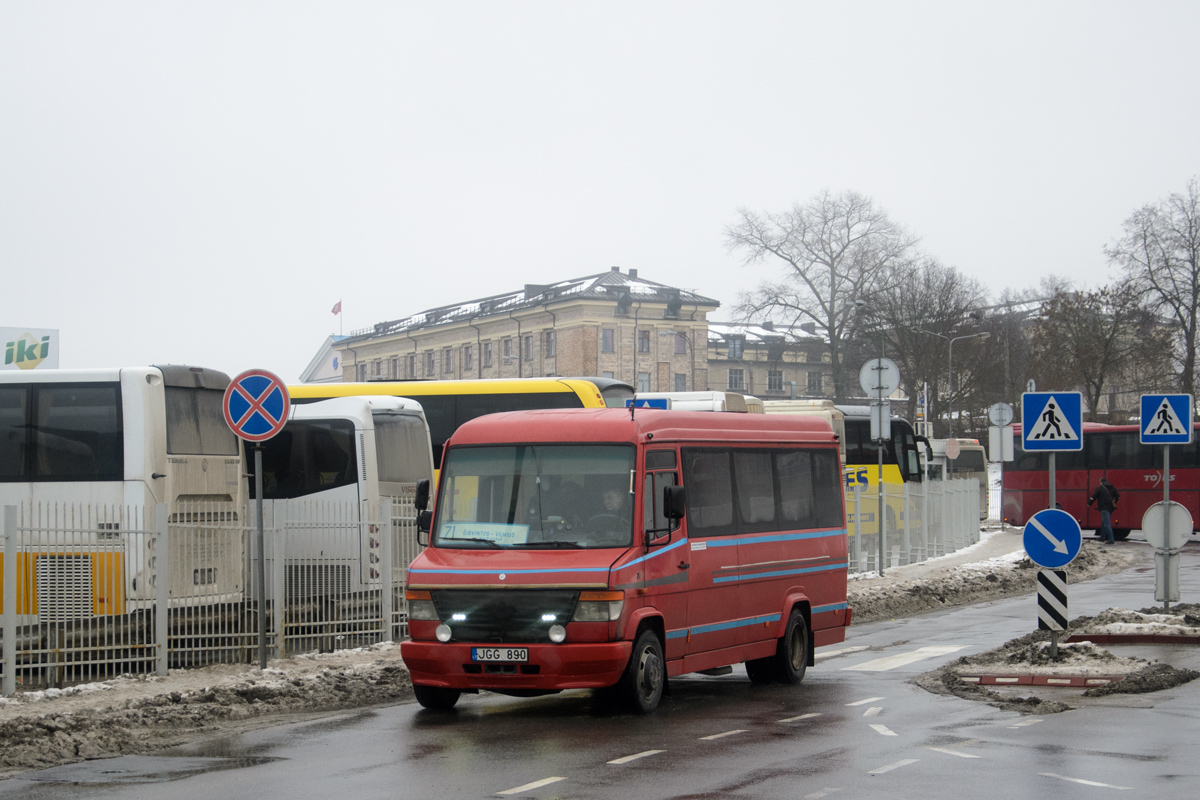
x=435, y=697
x=790, y=661
x=1120, y=534
x=761, y=670
x=646, y=674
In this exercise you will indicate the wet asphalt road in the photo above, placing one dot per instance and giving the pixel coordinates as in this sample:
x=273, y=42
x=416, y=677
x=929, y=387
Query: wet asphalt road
x=854, y=728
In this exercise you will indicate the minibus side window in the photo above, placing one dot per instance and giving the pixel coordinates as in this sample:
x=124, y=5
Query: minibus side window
x=755, y=489
x=708, y=477
x=654, y=516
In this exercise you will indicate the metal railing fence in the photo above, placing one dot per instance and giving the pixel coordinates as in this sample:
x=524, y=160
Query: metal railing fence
x=88, y=592
x=921, y=521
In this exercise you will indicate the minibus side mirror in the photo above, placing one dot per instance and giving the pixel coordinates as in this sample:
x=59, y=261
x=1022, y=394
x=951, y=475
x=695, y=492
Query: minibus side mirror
x=674, y=504
x=422, y=500
x=424, y=520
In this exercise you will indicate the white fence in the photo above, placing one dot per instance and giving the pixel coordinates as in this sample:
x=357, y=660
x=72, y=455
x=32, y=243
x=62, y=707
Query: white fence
x=921, y=521
x=90, y=592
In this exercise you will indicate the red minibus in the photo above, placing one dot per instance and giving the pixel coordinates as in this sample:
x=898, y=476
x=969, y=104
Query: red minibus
x=597, y=548
x=1111, y=451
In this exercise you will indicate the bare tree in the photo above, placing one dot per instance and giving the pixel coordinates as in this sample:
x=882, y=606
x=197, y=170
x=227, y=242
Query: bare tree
x=1092, y=340
x=833, y=250
x=1160, y=254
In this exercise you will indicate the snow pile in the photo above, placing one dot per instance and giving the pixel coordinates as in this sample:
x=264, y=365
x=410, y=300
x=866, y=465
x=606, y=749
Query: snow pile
x=1184, y=622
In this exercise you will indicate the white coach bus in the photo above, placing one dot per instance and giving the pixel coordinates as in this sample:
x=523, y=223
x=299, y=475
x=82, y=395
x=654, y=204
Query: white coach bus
x=86, y=455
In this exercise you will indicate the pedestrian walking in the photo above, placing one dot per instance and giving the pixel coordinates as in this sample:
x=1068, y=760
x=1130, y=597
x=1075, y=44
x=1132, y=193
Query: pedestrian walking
x=1105, y=497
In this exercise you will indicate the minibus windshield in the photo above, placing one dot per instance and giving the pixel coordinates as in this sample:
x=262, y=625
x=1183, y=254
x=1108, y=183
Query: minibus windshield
x=537, y=497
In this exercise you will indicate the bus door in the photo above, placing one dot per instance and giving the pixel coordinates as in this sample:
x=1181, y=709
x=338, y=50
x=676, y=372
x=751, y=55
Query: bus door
x=665, y=572
x=714, y=606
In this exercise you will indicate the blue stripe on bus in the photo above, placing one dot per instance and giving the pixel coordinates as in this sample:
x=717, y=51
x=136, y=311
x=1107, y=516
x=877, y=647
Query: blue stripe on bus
x=781, y=572
x=832, y=607
x=666, y=549
x=503, y=571
x=729, y=541
x=724, y=626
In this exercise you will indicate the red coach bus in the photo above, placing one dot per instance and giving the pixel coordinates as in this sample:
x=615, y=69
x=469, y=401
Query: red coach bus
x=598, y=548
x=1111, y=451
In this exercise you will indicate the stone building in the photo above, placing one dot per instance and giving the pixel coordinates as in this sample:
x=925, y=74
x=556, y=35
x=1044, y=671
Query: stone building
x=769, y=363
x=613, y=324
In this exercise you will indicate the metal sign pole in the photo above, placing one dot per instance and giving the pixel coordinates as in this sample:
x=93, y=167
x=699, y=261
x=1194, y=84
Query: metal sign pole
x=1053, y=503
x=879, y=517
x=262, y=560
x=1166, y=525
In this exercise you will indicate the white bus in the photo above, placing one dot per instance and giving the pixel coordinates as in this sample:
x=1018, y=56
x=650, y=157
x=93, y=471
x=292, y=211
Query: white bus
x=327, y=471
x=86, y=455
x=971, y=462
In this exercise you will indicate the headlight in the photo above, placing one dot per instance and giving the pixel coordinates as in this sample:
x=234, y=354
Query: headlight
x=442, y=632
x=599, y=606
x=420, y=605
x=558, y=634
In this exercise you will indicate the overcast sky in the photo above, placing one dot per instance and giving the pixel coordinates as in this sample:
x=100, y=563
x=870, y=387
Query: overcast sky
x=200, y=182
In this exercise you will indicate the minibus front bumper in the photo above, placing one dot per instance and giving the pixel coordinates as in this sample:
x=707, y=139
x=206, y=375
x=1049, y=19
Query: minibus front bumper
x=549, y=666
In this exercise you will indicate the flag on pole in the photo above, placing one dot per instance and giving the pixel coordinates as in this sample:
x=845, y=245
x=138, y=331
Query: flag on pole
x=337, y=307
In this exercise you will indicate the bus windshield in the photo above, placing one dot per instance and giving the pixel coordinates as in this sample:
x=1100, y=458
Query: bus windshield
x=536, y=497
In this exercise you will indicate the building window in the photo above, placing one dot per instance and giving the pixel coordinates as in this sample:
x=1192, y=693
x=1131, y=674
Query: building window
x=378, y=368
x=643, y=382
x=412, y=366
x=395, y=367
x=487, y=354
x=429, y=365
x=507, y=351
x=448, y=361
x=608, y=373
x=680, y=344
x=680, y=382
x=736, y=345
x=468, y=357
x=643, y=341
x=551, y=348
x=774, y=380
x=814, y=383
x=737, y=379
x=606, y=340
x=527, y=347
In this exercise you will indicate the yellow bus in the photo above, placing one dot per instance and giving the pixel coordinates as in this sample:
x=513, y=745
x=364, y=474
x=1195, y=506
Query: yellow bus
x=448, y=404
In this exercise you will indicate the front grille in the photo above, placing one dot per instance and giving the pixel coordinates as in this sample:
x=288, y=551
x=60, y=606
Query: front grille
x=502, y=616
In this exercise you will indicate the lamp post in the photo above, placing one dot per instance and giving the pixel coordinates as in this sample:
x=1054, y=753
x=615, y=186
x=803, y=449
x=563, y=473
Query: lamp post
x=950, y=370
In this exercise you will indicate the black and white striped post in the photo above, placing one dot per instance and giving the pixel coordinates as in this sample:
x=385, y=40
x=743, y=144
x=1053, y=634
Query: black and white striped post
x=1052, y=604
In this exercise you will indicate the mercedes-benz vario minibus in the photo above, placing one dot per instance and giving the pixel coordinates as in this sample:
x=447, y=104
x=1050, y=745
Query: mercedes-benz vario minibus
x=619, y=548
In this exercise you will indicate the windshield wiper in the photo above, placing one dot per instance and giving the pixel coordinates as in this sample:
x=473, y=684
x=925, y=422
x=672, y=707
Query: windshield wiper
x=467, y=539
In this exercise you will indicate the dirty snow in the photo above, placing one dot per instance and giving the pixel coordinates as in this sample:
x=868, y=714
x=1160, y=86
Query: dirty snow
x=141, y=714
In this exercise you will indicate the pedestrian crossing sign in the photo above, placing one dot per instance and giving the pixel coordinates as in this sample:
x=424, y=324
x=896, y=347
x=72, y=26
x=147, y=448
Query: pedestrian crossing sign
x=1052, y=421
x=1166, y=419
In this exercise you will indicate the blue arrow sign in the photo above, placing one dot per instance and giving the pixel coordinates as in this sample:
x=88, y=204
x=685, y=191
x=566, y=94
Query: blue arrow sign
x=1052, y=421
x=1166, y=419
x=648, y=402
x=1052, y=538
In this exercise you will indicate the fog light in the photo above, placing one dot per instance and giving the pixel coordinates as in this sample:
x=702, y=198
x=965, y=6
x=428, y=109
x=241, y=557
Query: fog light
x=558, y=634
x=443, y=632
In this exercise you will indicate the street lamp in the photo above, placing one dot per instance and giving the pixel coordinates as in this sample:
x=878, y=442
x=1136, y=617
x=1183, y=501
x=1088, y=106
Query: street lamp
x=950, y=375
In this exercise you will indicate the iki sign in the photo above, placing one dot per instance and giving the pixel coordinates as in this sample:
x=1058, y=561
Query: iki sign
x=27, y=348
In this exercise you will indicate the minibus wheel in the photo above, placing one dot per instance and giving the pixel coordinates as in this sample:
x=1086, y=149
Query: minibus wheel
x=436, y=697
x=791, y=658
x=646, y=674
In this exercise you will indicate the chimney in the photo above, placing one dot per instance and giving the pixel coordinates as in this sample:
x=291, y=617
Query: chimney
x=616, y=269
x=533, y=290
x=768, y=326
x=633, y=273
x=809, y=327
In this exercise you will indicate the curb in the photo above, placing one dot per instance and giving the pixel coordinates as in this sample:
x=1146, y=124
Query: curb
x=1133, y=638
x=1058, y=681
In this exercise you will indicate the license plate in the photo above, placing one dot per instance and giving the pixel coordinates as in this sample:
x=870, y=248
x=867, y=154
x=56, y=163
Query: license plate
x=504, y=654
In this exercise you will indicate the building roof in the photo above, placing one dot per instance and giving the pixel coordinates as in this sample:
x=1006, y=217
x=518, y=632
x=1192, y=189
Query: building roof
x=612, y=285
x=758, y=334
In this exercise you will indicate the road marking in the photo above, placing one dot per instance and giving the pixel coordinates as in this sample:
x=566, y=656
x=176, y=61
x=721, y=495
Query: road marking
x=903, y=659
x=636, y=756
x=1026, y=723
x=720, y=735
x=883, y=730
x=818, y=795
x=802, y=716
x=530, y=786
x=891, y=767
x=864, y=702
x=841, y=652
x=873, y=711
x=950, y=752
x=1081, y=780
